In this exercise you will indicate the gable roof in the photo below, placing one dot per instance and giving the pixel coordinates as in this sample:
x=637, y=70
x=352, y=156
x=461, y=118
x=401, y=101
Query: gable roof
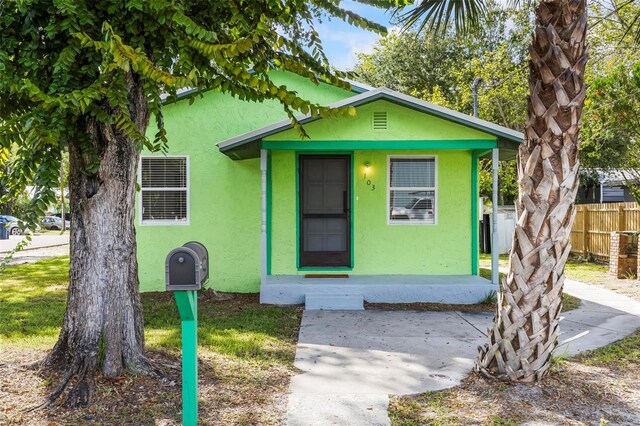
x=248, y=144
x=356, y=87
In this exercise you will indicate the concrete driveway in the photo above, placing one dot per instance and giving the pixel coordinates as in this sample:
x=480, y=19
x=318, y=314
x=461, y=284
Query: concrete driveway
x=351, y=361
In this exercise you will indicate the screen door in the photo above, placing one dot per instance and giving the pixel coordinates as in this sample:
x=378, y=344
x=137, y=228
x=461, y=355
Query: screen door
x=325, y=213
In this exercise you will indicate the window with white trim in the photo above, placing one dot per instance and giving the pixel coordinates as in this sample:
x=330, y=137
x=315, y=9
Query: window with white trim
x=412, y=190
x=164, y=190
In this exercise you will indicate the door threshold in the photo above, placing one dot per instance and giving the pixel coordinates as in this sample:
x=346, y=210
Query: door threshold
x=326, y=275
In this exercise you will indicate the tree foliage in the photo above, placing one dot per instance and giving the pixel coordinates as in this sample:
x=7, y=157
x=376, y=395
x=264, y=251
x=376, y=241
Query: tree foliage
x=612, y=135
x=610, y=127
x=65, y=62
x=87, y=77
x=440, y=67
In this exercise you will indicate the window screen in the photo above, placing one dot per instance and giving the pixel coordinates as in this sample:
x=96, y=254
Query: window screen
x=164, y=189
x=412, y=190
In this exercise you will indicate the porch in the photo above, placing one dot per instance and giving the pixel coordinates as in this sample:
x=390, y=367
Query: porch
x=350, y=292
x=389, y=198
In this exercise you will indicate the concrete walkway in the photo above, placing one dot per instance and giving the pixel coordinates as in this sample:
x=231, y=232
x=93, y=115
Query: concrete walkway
x=352, y=361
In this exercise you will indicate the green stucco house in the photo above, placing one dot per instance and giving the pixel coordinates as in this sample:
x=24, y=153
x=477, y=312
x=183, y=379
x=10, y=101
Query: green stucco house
x=381, y=207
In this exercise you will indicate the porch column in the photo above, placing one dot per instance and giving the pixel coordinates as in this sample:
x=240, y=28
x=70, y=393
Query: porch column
x=495, y=162
x=263, y=216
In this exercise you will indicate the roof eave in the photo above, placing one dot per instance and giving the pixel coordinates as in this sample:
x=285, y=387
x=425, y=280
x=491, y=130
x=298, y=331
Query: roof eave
x=507, y=136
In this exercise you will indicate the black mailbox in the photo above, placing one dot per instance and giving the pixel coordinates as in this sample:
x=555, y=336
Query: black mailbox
x=187, y=267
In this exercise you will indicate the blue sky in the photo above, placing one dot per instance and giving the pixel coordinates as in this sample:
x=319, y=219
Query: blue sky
x=342, y=42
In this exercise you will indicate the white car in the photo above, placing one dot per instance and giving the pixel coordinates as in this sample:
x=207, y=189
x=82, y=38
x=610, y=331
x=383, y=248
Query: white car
x=420, y=208
x=54, y=222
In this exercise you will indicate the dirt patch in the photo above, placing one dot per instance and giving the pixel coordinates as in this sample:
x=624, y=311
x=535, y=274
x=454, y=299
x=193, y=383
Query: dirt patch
x=583, y=390
x=229, y=394
x=569, y=303
x=437, y=307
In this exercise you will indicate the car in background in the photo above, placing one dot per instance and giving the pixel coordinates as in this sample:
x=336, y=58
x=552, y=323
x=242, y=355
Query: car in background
x=420, y=208
x=12, y=224
x=54, y=223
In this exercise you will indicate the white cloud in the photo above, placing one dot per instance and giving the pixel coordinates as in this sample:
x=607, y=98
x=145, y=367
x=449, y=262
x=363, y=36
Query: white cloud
x=343, y=46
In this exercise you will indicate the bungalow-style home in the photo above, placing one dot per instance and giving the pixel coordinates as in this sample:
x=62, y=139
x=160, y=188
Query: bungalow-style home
x=380, y=207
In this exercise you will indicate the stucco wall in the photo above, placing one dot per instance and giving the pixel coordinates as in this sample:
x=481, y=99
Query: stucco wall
x=224, y=202
x=403, y=124
x=380, y=248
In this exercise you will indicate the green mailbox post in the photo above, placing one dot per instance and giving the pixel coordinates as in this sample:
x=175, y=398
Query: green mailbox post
x=186, y=270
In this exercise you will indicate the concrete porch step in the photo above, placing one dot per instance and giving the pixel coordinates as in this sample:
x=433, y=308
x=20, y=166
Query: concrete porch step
x=334, y=302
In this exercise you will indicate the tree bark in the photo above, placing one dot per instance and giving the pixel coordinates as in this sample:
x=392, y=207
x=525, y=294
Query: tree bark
x=102, y=328
x=525, y=328
x=62, y=207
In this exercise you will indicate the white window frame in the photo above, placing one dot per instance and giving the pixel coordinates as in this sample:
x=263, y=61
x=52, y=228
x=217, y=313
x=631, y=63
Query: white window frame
x=165, y=222
x=434, y=189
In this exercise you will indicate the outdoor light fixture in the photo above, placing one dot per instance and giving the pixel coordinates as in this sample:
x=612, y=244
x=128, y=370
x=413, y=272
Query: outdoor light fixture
x=367, y=168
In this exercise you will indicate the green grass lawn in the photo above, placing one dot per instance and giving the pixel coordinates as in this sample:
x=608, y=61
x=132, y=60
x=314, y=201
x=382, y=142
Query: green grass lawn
x=32, y=303
x=33, y=299
x=246, y=353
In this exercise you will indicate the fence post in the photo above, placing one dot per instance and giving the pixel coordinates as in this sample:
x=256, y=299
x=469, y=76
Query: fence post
x=621, y=213
x=585, y=231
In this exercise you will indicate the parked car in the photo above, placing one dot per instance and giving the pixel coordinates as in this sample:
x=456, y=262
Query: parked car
x=12, y=224
x=418, y=209
x=54, y=222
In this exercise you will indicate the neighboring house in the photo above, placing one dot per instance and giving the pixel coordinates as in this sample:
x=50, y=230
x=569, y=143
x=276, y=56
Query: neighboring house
x=385, y=203
x=608, y=186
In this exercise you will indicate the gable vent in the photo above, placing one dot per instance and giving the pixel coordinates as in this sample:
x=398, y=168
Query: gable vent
x=380, y=120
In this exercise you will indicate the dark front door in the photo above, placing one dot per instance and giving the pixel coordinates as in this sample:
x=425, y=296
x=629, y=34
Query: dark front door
x=325, y=210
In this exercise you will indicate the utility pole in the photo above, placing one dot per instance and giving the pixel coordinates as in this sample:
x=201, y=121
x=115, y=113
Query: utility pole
x=474, y=88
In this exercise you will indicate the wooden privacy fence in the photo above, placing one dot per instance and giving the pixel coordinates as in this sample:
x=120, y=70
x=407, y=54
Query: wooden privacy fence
x=591, y=233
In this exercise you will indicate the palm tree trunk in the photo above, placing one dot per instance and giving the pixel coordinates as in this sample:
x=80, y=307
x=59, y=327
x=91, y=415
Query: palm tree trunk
x=525, y=328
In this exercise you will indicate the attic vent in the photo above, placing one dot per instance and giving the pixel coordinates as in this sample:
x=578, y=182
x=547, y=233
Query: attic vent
x=380, y=120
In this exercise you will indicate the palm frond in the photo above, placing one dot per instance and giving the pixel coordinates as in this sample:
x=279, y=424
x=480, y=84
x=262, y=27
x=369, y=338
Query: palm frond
x=438, y=15
x=633, y=29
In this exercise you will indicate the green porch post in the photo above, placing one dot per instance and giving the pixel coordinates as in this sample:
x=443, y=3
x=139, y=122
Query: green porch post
x=474, y=215
x=475, y=210
x=187, y=302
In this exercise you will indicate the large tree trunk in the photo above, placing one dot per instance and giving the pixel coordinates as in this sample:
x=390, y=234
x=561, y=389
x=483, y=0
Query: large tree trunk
x=103, y=325
x=525, y=328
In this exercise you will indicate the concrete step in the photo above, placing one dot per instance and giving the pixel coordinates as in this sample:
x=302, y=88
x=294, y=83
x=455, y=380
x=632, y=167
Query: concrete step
x=334, y=302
